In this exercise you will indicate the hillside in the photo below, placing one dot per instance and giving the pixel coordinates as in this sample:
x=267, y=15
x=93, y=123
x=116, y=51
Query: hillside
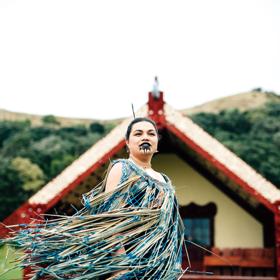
x=32, y=153
x=36, y=120
x=242, y=101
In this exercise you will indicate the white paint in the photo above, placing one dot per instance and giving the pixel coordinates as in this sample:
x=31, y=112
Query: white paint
x=234, y=227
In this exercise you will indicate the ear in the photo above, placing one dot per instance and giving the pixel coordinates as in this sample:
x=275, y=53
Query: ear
x=126, y=146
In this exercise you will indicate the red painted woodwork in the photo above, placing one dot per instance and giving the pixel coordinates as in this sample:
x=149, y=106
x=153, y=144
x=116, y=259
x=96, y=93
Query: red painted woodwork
x=26, y=273
x=277, y=236
x=219, y=166
x=240, y=261
x=27, y=212
x=236, y=261
x=156, y=109
x=226, y=277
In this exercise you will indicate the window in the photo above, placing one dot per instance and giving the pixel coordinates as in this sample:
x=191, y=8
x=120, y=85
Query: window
x=199, y=223
x=198, y=230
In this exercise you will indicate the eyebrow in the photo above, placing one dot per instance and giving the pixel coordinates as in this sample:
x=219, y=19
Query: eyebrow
x=140, y=130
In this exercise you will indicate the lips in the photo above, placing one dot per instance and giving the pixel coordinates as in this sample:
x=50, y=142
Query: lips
x=145, y=147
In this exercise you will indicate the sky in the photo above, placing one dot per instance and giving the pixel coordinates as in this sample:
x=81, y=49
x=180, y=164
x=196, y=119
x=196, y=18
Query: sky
x=92, y=59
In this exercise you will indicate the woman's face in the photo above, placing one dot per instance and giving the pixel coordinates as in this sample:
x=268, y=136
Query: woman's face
x=143, y=139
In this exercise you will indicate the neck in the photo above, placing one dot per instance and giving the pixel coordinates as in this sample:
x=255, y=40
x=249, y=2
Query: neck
x=144, y=162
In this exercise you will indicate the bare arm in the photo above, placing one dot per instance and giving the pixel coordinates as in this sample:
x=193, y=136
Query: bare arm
x=113, y=179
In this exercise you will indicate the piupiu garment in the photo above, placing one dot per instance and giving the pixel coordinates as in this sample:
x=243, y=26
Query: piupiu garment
x=140, y=215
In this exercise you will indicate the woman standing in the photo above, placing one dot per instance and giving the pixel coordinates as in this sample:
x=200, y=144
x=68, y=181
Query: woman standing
x=129, y=227
x=161, y=259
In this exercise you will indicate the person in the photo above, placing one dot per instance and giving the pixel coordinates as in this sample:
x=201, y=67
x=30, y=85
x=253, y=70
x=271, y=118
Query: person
x=142, y=141
x=129, y=227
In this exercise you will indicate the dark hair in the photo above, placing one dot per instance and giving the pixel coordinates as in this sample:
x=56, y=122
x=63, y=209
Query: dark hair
x=136, y=120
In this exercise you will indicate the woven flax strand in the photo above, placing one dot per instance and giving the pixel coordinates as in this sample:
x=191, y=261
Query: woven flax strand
x=140, y=215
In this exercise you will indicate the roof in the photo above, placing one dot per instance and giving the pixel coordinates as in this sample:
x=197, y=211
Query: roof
x=166, y=117
x=258, y=184
x=83, y=163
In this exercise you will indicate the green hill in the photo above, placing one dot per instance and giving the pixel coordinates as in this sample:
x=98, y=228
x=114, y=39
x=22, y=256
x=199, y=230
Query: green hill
x=37, y=120
x=241, y=101
x=34, y=149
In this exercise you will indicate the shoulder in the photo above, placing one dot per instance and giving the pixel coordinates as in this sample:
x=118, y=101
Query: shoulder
x=119, y=162
x=166, y=178
x=118, y=168
x=118, y=165
x=113, y=176
x=118, y=171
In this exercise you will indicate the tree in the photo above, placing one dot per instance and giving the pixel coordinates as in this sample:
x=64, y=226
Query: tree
x=17, y=144
x=206, y=120
x=50, y=148
x=253, y=135
x=97, y=127
x=58, y=164
x=31, y=174
x=50, y=120
x=10, y=128
x=234, y=121
x=73, y=131
x=40, y=132
x=12, y=194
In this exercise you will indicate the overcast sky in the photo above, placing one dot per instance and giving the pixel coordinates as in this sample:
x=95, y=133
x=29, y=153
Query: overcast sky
x=91, y=59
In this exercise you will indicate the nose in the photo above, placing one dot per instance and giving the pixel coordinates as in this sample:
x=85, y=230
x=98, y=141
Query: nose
x=145, y=137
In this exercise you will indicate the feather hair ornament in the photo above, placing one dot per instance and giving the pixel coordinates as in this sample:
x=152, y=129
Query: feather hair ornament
x=133, y=112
